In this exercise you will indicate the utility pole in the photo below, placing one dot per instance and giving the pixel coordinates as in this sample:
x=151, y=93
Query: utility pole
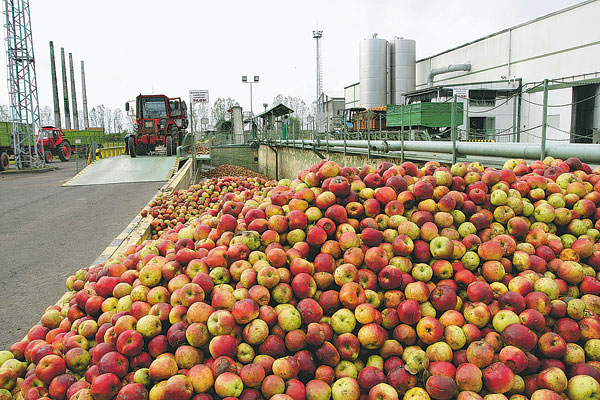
x=317, y=35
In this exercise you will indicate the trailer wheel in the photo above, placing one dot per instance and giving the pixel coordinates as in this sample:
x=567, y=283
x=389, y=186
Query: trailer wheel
x=3, y=161
x=169, y=144
x=131, y=146
x=64, y=152
x=48, y=156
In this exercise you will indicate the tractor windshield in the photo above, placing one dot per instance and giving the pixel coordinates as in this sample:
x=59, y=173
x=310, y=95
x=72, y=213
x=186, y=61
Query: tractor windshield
x=154, y=107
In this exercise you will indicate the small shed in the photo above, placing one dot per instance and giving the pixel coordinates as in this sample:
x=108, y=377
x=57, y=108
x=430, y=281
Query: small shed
x=270, y=120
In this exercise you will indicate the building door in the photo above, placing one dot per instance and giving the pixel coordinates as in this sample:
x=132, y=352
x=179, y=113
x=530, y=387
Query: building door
x=585, y=114
x=481, y=128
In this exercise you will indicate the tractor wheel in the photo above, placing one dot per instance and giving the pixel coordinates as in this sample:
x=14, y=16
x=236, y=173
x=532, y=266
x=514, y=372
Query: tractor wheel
x=169, y=144
x=175, y=147
x=48, y=156
x=3, y=161
x=64, y=152
x=131, y=146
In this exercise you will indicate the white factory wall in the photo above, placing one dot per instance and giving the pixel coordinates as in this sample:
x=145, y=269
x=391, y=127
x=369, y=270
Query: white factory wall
x=352, y=96
x=561, y=45
x=557, y=46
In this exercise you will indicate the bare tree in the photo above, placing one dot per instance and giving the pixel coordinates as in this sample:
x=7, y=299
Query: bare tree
x=93, y=117
x=46, y=116
x=279, y=99
x=297, y=104
x=220, y=108
x=100, y=115
x=81, y=120
x=4, y=114
x=108, y=117
x=201, y=110
x=118, y=120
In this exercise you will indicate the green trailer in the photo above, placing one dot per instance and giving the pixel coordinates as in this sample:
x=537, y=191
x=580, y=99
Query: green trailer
x=5, y=145
x=423, y=115
x=80, y=141
x=84, y=138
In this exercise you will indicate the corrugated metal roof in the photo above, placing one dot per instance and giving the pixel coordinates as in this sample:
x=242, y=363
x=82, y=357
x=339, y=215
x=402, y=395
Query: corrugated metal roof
x=278, y=111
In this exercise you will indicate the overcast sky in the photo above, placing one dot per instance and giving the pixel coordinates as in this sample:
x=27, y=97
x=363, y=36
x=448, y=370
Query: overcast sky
x=169, y=47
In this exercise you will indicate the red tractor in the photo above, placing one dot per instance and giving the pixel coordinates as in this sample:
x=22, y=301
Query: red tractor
x=159, y=121
x=54, y=144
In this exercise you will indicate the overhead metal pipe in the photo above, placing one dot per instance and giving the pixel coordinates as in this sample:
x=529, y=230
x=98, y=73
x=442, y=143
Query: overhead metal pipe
x=589, y=153
x=445, y=70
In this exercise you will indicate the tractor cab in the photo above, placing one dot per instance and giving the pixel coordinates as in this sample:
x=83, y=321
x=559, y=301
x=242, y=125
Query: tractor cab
x=50, y=136
x=160, y=121
x=54, y=144
x=351, y=118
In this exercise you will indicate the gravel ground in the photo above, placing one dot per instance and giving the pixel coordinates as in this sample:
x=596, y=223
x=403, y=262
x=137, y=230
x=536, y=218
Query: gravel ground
x=48, y=232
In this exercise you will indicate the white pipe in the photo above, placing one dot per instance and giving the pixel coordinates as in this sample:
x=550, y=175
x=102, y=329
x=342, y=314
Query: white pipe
x=446, y=69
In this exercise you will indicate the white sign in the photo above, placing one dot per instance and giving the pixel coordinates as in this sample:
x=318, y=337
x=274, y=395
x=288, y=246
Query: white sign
x=204, y=121
x=199, y=96
x=77, y=141
x=464, y=93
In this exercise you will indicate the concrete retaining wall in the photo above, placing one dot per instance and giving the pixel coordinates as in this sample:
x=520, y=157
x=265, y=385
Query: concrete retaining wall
x=290, y=161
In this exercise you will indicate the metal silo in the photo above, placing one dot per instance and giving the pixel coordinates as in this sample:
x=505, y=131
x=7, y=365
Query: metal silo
x=373, y=72
x=402, y=68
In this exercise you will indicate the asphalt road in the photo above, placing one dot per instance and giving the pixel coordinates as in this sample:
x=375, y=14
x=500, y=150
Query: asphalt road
x=48, y=232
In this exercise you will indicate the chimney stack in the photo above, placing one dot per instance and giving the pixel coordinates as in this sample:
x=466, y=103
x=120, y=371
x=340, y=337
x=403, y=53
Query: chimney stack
x=86, y=121
x=65, y=89
x=57, y=122
x=73, y=94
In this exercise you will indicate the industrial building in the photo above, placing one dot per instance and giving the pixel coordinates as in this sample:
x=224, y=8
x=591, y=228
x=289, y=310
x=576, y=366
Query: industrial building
x=331, y=105
x=499, y=79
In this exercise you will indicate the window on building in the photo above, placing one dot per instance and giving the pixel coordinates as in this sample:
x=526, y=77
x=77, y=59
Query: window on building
x=482, y=98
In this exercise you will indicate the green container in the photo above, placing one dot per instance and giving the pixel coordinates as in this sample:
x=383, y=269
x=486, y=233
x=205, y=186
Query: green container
x=5, y=134
x=433, y=115
x=74, y=137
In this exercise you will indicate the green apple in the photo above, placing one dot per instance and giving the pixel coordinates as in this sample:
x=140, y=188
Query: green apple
x=343, y=321
x=503, y=318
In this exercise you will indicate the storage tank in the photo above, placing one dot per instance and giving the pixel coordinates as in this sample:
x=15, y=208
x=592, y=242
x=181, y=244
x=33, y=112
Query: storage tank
x=373, y=72
x=402, y=68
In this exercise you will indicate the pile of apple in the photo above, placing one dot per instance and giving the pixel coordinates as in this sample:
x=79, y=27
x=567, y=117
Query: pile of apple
x=225, y=170
x=170, y=209
x=200, y=149
x=385, y=283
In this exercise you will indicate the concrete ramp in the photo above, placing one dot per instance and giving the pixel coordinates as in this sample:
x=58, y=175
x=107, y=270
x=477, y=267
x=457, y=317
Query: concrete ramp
x=124, y=169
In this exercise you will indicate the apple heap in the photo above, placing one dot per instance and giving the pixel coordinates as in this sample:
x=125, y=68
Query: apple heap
x=170, y=209
x=233, y=170
x=200, y=149
x=382, y=283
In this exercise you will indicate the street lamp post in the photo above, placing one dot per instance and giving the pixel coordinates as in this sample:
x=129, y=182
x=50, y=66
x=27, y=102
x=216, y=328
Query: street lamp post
x=255, y=80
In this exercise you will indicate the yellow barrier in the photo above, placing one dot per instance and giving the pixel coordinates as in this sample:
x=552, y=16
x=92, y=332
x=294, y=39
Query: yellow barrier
x=106, y=152
x=482, y=140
